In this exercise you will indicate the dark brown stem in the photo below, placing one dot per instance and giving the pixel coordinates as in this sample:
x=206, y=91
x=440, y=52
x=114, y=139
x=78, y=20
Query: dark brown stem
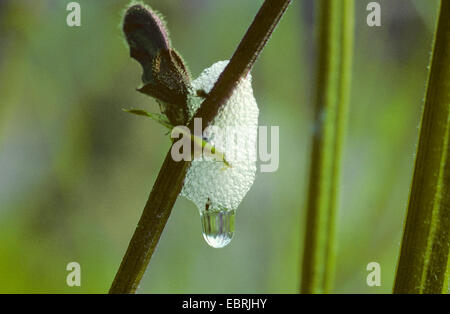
x=243, y=58
x=171, y=176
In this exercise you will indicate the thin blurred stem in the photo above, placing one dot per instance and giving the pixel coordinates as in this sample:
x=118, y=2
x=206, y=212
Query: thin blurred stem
x=423, y=265
x=336, y=27
x=171, y=176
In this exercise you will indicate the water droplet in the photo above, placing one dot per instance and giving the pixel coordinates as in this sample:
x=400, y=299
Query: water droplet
x=218, y=227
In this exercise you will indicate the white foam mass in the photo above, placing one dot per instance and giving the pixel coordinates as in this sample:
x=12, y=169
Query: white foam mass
x=209, y=181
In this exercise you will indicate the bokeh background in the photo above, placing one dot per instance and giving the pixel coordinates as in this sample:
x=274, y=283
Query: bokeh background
x=75, y=170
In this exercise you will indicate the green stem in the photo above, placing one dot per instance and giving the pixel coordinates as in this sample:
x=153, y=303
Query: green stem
x=423, y=265
x=171, y=176
x=332, y=97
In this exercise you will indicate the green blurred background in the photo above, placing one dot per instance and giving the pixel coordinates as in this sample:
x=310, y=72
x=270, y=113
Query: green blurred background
x=75, y=171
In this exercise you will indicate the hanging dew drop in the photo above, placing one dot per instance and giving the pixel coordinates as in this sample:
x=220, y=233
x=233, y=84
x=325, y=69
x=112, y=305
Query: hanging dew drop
x=218, y=227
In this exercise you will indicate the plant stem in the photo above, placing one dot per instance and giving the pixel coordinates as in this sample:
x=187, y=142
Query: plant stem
x=171, y=176
x=332, y=97
x=423, y=265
